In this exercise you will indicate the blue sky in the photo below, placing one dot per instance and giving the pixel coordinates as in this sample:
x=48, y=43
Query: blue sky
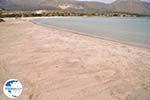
x=107, y=1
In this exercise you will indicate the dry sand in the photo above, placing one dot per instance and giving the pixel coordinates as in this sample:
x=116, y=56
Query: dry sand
x=55, y=64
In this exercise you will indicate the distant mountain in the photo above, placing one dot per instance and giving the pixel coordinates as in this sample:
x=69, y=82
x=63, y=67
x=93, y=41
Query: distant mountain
x=130, y=6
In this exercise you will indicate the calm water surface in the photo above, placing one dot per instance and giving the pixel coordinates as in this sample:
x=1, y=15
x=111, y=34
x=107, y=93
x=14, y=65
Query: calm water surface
x=133, y=30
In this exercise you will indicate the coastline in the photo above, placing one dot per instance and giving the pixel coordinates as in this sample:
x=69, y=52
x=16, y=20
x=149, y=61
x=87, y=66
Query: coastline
x=57, y=64
x=91, y=35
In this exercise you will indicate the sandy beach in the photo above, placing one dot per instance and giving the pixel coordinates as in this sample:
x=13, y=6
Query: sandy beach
x=54, y=64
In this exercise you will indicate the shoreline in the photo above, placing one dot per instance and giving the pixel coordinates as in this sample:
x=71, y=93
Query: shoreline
x=90, y=35
x=56, y=64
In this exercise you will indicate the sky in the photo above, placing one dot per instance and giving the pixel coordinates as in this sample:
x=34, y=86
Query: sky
x=108, y=1
x=105, y=1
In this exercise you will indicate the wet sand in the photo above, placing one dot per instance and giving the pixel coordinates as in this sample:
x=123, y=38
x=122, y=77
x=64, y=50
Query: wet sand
x=55, y=64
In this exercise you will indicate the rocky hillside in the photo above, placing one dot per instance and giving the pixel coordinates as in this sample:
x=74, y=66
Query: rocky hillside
x=131, y=6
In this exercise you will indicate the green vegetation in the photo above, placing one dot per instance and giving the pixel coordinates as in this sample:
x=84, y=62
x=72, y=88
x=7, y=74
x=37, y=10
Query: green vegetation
x=4, y=13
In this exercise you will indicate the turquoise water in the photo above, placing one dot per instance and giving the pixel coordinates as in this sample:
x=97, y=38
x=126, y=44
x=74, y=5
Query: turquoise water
x=133, y=30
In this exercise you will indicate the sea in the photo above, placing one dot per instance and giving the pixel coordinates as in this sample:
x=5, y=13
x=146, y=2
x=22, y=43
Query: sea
x=131, y=30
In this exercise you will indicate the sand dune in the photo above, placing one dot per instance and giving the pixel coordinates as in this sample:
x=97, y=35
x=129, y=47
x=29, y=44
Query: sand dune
x=54, y=64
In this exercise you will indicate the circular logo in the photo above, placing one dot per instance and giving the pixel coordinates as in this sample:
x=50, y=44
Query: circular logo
x=12, y=88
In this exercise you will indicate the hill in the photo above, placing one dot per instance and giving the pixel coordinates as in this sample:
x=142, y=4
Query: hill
x=129, y=6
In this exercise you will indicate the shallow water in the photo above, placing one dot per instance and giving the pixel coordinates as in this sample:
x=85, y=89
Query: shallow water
x=133, y=30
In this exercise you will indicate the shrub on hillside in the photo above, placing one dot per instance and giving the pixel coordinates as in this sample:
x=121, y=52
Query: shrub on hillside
x=1, y=20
